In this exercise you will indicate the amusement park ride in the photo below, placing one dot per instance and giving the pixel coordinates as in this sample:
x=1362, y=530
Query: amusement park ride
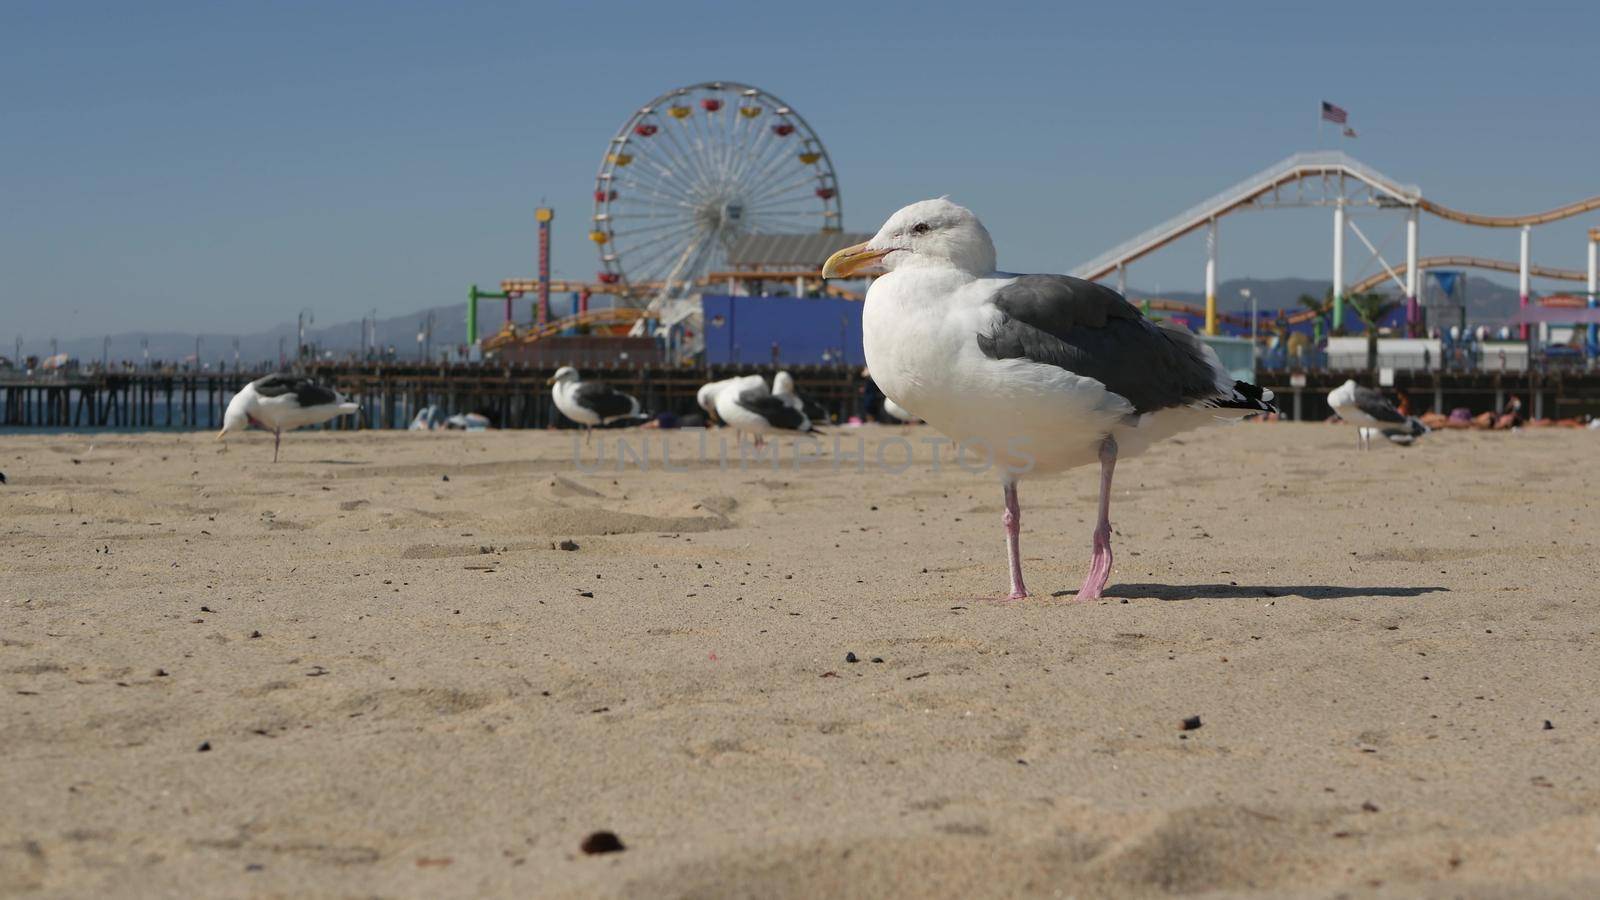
x=685, y=177
x=698, y=168
x=1335, y=179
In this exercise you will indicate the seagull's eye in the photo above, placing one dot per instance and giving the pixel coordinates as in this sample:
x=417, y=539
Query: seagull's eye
x=921, y=228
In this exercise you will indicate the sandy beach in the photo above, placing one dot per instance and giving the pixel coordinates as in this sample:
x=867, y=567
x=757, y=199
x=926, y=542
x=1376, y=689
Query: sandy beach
x=371, y=670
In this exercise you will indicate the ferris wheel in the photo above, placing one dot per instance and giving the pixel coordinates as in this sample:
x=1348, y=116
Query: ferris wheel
x=695, y=169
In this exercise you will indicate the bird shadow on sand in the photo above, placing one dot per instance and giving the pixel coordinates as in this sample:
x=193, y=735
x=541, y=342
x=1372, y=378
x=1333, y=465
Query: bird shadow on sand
x=1252, y=591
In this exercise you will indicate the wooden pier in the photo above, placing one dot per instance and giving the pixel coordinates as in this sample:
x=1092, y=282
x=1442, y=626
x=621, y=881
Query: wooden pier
x=516, y=396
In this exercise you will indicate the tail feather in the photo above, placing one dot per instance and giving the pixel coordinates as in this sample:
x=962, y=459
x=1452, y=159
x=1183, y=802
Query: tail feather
x=1249, y=399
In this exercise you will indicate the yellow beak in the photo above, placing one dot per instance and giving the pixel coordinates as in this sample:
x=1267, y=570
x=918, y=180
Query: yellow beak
x=851, y=260
x=552, y=379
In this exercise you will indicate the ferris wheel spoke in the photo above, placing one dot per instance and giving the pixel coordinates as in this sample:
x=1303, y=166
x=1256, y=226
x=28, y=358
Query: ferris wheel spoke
x=694, y=168
x=668, y=172
x=687, y=173
x=749, y=151
x=770, y=169
x=787, y=198
x=634, y=230
x=624, y=247
x=808, y=178
x=651, y=189
x=656, y=263
x=686, y=138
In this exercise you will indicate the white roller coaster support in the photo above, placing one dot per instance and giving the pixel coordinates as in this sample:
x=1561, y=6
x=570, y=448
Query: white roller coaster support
x=1413, y=312
x=1594, y=284
x=1522, y=276
x=1211, y=278
x=1338, y=265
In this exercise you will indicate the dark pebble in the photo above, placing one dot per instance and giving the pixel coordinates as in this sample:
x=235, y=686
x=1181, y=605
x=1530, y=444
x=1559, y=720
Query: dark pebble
x=1548, y=725
x=444, y=477
x=877, y=659
x=1189, y=724
x=568, y=545
x=255, y=634
x=851, y=657
x=602, y=842
x=206, y=609
x=586, y=593
x=161, y=673
x=254, y=867
x=205, y=747
x=1369, y=806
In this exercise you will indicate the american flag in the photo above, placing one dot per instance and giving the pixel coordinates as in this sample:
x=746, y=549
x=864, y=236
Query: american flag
x=1334, y=114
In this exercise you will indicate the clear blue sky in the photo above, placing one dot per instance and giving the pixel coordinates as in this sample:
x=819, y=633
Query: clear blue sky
x=217, y=166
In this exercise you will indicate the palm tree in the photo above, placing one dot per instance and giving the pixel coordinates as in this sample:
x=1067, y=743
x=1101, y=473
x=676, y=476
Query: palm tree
x=1322, y=308
x=1371, y=308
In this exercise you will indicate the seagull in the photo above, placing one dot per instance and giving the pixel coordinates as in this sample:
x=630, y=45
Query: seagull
x=1035, y=373
x=783, y=389
x=590, y=403
x=281, y=402
x=706, y=397
x=1366, y=409
x=752, y=407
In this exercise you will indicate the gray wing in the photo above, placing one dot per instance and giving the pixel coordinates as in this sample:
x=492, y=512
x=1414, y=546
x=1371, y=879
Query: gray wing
x=1090, y=330
x=306, y=392
x=602, y=399
x=1372, y=403
x=777, y=413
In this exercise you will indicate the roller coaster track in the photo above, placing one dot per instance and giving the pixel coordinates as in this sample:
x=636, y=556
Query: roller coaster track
x=1332, y=177
x=1468, y=262
x=1554, y=215
x=617, y=316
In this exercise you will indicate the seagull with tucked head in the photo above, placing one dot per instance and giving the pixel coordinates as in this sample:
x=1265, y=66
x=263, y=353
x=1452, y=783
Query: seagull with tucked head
x=1038, y=373
x=280, y=403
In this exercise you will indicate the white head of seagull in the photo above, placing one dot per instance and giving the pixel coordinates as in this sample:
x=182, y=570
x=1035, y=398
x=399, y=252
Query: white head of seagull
x=926, y=233
x=564, y=375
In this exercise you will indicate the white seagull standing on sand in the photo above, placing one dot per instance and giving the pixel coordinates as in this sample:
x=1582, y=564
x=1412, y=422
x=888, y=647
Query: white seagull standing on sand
x=281, y=403
x=1366, y=409
x=752, y=407
x=706, y=397
x=1040, y=373
x=590, y=403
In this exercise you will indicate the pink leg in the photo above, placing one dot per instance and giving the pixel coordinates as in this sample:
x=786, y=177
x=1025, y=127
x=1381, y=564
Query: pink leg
x=1013, y=522
x=1100, y=563
x=277, y=436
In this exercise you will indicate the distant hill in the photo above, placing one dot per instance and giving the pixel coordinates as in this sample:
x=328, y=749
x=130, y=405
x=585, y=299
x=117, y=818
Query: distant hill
x=449, y=328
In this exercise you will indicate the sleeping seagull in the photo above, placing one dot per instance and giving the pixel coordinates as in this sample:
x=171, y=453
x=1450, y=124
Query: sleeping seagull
x=751, y=407
x=1038, y=373
x=281, y=403
x=590, y=403
x=706, y=397
x=1366, y=409
x=783, y=389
